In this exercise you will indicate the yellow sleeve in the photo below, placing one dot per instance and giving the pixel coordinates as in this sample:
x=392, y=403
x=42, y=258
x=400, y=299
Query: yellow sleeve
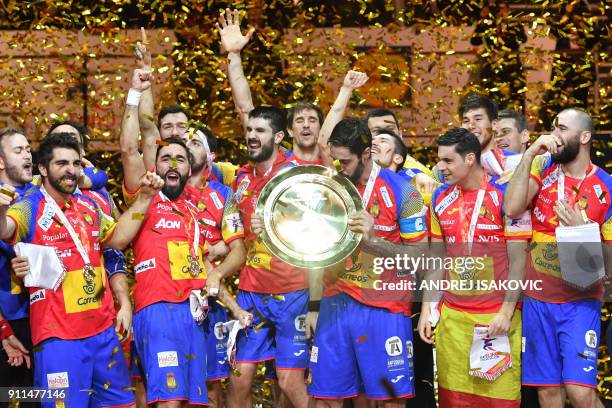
x=228, y=170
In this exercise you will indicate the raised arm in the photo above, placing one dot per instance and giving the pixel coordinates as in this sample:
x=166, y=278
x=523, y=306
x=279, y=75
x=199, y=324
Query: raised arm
x=133, y=164
x=522, y=189
x=352, y=81
x=233, y=42
x=146, y=111
x=130, y=221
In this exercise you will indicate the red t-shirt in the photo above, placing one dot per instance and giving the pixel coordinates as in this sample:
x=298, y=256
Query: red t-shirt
x=162, y=250
x=78, y=309
x=451, y=214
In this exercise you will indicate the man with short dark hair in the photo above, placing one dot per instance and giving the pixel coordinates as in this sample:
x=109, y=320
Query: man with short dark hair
x=478, y=114
x=73, y=326
x=172, y=121
x=511, y=131
x=384, y=121
x=388, y=150
x=362, y=327
x=563, y=188
x=274, y=291
x=467, y=221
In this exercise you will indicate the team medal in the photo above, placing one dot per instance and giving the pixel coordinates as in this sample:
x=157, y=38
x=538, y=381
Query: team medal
x=89, y=273
x=194, y=266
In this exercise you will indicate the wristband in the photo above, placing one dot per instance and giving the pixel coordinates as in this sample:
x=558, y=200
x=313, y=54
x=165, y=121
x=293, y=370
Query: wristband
x=314, y=305
x=133, y=97
x=5, y=329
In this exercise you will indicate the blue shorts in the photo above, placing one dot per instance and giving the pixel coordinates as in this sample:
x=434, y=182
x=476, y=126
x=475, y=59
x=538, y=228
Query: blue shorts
x=172, y=352
x=361, y=349
x=216, y=342
x=94, y=370
x=135, y=364
x=282, y=336
x=560, y=346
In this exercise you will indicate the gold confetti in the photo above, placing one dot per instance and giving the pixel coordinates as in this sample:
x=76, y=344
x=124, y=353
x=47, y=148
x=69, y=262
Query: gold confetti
x=138, y=216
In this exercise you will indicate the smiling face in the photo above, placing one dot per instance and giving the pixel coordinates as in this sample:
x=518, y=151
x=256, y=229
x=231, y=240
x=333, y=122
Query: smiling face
x=564, y=127
x=452, y=165
x=16, y=159
x=478, y=122
x=383, y=150
x=305, y=128
x=508, y=137
x=63, y=171
x=173, y=167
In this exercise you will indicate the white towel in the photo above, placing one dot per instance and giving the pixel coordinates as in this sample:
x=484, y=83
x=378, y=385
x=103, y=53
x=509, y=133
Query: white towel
x=46, y=268
x=580, y=254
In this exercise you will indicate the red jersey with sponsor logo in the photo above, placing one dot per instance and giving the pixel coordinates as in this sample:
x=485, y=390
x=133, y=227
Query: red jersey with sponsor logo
x=219, y=217
x=80, y=308
x=263, y=272
x=451, y=215
x=399, y=214
x=163, y=250
x=593, y=195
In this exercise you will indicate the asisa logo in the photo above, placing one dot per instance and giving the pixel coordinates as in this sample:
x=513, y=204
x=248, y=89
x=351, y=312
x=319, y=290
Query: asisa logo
x=168, y=224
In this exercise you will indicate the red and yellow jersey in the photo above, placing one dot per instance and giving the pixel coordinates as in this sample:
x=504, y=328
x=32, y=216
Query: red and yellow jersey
x=263, y=272
x=487, y=261
x=163, y=249
x=593, y=195
x=398, y=211
x=219, y=217
x=79, y=308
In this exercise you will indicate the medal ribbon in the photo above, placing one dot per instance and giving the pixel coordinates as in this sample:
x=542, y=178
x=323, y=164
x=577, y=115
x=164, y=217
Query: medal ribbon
x=196, y=236
x=64, y=220
x=370, y=186
x=475, y=212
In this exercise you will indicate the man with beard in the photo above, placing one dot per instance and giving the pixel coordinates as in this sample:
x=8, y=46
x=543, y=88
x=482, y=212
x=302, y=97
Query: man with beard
x=362, y=327
x=169, y=266
x=304, y=120
x=220, y=221
x=94, y=187
x=274, y=291
x=91, y=178
x=466, y=213
x=72, y=327
x=16, y=171
x=562, y=189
